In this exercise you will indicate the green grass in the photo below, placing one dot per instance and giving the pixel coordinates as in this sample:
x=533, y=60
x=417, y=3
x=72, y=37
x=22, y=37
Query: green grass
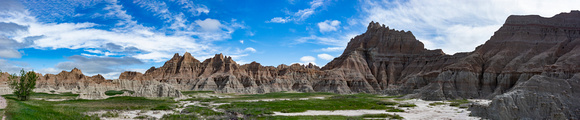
x=436, y=103
x=67, y=95
x=201, y=110
x=337, y=102
x=273, y=95
x=387, y=103
x=194, y=92
x=407, y=105
x=162, y=107
x=115, y=92
x=32, y=110
x=110, y=114
x=382, y=116
x=458, y=102
x=395, y=110
x=179, y=117
x=73, y=109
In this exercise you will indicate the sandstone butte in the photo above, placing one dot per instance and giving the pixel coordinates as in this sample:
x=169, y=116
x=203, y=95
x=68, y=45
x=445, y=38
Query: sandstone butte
x=529, y=68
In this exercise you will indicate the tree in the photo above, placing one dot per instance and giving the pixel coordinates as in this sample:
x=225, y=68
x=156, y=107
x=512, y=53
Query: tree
x=24, y=86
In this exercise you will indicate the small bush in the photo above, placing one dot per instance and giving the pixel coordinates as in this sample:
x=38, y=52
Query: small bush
x=387, y=103
x=113, y=92
x=407, y=105
x=395, y=110
x=162, y=107
x=382, y=116
x=142, y=117
x=110, y=114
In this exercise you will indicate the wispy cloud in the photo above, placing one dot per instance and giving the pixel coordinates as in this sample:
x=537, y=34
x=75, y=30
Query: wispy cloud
x=455, y=25
x=300, y=15
x=127, y=38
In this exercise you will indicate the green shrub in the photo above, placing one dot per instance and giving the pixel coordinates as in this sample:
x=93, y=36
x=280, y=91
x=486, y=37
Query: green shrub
x=382, y=116
x=407, y=105
x=387, y=103
x=162, y=107
x=395, y=110
x=110, y=114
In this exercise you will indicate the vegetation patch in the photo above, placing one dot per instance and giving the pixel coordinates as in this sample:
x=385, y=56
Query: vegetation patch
x=194, y=92
x=110, y=114
x=162, y=107
x=387, y=103
x=74, y=109
x=407, y=105
x=179, y=117
x=115, y=92
x=338, y=102
x=458, y=102
x=201, y=110
x=382, y=116
x=395, y=110
x=66, y=95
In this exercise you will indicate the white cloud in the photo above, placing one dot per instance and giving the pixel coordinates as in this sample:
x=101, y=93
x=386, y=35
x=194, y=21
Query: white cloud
x=242, y=41
x=300, y=15
x=325, y=56
x=9, y=53
x=279, y=20
x=308, y=59
x=456, y=25
x=328, y=25
x=209, y=24
x=331, y=49
x=250, y=49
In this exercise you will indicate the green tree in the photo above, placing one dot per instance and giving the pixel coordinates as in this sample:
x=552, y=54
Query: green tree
x=24, y=86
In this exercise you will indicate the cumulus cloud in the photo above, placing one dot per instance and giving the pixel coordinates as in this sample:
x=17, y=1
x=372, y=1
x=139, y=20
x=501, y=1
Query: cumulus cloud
x=127, y=38
x=209, y=24
x=328, y=25
x=325, y=56
x=308, y=59
x=97, y=65
x=455, y=25
x=300, y=15
x=13, y=67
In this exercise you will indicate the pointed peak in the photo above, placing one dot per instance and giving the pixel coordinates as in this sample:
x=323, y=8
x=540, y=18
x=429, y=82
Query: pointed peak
x=175, y=57
x=187, y=54
x=221, y=56
x=76, y=70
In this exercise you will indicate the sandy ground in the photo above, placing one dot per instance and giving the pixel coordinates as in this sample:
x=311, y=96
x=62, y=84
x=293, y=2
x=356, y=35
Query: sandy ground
x=129, y=115
x=2, y=106
x=423, y=111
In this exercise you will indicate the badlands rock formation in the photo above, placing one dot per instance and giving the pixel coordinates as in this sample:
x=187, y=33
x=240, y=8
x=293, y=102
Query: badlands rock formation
x=523, y=64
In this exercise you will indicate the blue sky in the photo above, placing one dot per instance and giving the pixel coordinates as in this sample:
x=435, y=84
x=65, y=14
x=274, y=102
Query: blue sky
x=108, y=37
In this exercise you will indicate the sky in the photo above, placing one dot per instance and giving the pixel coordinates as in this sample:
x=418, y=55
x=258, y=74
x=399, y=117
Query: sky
x=109, y=37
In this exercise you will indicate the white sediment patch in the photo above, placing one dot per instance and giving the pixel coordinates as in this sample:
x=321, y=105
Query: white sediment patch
x=480, y=101
x=129, y=115
x=423, y=111
x=277, y=99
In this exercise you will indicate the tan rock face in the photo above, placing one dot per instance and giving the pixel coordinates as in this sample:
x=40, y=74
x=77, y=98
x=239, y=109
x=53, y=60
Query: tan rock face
x=384, y=60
